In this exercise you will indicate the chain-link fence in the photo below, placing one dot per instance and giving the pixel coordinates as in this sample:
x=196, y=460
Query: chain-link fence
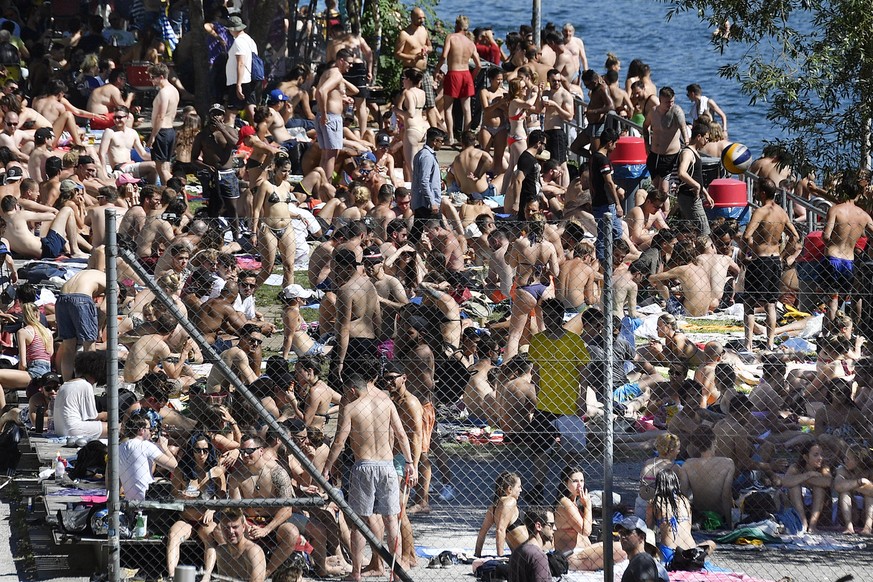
x=444, y=402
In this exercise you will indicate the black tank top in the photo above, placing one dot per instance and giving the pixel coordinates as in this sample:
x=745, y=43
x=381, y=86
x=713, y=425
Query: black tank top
x=696, y=173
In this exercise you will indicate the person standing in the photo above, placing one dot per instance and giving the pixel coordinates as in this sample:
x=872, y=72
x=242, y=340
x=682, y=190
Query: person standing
x=528, y=562
x=458, y=82
x=242, y=90
x=412, y=48
x=663, y=130
x=606, y=195
x=358, y=316
x=426, y=182
x=692, y=192
x=642, y=567
x=331, y=97
x=527, y=183
x=558, y=107
x=162, y=141
x=574, y=45
x=370, y=422
x=212, y=153
x=762, y=240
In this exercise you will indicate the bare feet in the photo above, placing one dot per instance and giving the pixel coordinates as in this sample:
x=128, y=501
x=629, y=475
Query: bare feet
x=408, y=562
x=418, y=509
x=333, y=570
x=375, y=573
x=866, y=531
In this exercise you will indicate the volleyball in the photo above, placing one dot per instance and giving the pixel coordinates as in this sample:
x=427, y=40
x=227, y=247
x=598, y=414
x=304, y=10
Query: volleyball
x=736, y=158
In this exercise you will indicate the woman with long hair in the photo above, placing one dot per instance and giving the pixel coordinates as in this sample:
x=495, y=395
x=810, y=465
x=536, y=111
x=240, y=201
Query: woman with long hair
x=272, y=230
x=670, y=513
x=535, y=261
x=852, y=480
x=840, y=423
x=503, y=515
x=668, y=446
x=522, y=98
x=199, y=476
x=191, y=125
x=35, y=349
x=573, y=521
x=411, y=112
x=495, y=128
x=808, y=472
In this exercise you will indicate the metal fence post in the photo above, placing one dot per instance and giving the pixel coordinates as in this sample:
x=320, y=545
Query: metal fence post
x=608, y=558
x=113, y=545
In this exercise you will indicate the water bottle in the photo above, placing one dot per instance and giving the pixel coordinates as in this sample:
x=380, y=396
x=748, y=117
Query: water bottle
x=140, y=529
x=60, y=467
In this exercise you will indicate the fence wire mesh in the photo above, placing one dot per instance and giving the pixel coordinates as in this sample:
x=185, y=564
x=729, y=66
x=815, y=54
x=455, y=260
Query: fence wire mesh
x=459, y=407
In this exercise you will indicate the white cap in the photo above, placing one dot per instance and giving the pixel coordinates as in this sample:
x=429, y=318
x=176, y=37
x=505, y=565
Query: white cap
x=294, y=291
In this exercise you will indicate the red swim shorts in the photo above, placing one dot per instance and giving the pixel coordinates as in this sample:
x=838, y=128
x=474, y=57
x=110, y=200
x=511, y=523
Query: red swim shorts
x=105, y=121
x=458, y=84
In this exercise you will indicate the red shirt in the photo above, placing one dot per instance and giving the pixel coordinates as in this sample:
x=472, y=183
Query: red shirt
x=489, y=52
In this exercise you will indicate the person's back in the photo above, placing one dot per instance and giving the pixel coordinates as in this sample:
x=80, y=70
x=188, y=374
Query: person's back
x=370, y=417
x=528, y=563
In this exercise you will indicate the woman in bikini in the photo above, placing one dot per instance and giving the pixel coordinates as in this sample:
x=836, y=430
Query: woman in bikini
x=852, y=480
x=410, y=112
x=573, y=521
x=670, y=513
x=495, y=128
x=676, y=348
x=808, y=472
x=521, y=99
x=840, y=423
x=199, y=476
x=668, y=447
x=271, y=222
x=262, y=154
x=535, y=261
x=503, y=515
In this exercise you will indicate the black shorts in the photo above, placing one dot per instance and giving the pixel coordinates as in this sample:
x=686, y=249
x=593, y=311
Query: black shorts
x=163, y=146
x=763, y=281
x=542, y=435
x=362, y=355
x=357, y=76
x=250, y=95
x=556, y=144
x=661, y=165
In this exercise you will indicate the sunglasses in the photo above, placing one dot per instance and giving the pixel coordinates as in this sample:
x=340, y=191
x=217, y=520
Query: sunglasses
x=243, y=284
x=202, y=451
x=11, y=124
x=256, y=342
x=120, y=117
x=249, y=451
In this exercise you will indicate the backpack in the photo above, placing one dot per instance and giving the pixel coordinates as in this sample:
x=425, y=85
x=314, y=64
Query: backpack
x=758, y=506
x=9, y=54
x=9, y=454
x=258, y=72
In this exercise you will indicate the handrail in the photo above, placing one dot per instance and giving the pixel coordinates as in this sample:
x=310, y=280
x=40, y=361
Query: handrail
x=814, y=214
x=616, y=119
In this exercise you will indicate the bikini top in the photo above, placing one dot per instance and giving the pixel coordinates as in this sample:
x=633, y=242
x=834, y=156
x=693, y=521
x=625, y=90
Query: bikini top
x=274, y=198
x=517, y=117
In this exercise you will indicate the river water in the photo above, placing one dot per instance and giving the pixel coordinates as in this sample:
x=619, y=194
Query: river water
x=678, y=52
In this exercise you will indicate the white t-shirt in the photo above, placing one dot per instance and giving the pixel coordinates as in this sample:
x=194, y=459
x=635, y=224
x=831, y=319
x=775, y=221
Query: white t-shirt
x=243, y=45
x=135, y=460
x=245, y=306
x=303, y=227
x=75, y=410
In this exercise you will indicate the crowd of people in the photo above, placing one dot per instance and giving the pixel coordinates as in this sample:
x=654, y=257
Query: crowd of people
x=473, y=289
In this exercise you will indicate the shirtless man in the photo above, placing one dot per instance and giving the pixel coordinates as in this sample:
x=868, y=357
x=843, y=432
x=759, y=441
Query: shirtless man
x=574, y=46
x=358, y=315
x=360, y=72
x=116, y=145
x=516, y=396
x=735, y=437
x=42, y=137
x=331, y=97
x=382, y=212
x=62, y=236
x=212, y=153
x=469, y=169
x=623, y=104
x=558, y=109
x=693, y=280
x=135, y=218
x=600, y=103
x=261, y=477
x=370, y=422
x=500, y=273
x=217, y=316
x=107, y=196
x=663, y=131
x=412, y=50
x=163, y=137
x=458, y=82
x=15, y=139
x=238, y=557
x=773, y=164
x=243, y=359
x=107, y=98
x=76, y=315
x=411, y=415
x=578, y=284
x=313, y=394
x=445, y=241
x=392, y=296
x=708, y=477
x=846, y=223
x=59, y=112
x=762, y=240
x=158, y=231
x=277, y=102
x=151, y=351
x=645, y=220
x=720, y=267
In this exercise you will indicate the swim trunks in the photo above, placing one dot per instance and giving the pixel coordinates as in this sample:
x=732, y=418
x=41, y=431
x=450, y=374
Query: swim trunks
x=840, y=275
x=228, y=184
x=458, y=84
x=763, y=280
x=53, y=245
x=428, y=421
x=162, y=147
x=329, y=135
x=661, y=165
x=429, y=93
x=373, y=488
x=357, y=76
x=250, y=95
x=594, y=130
x=76, y=315
x=105, y=121
x=557, y=145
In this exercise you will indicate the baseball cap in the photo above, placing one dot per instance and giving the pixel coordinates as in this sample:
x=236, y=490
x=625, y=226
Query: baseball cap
x=126, y=179
x=372, y=255
x=244, y=132
x=383, y=140
x=276, y=95
x=295, y=291
x=632, y=522
x=14, y=174
x=294, y=425
x=217, y=108
x=43, y=134
x=367, y=156
x=68, y=185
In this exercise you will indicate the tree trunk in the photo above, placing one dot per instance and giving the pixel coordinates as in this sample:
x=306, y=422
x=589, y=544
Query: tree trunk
x=263, y=14
x=373, y=15
x=201, y=59
x=354, y=9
